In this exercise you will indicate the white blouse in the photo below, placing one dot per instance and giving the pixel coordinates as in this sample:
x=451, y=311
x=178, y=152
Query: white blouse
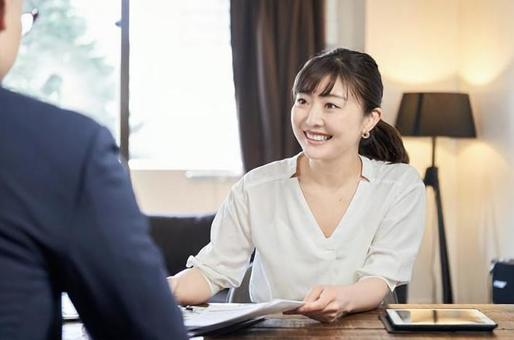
x=378, y=236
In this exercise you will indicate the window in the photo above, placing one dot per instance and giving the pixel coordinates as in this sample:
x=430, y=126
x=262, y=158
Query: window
x=182, y=105
x=71, y=58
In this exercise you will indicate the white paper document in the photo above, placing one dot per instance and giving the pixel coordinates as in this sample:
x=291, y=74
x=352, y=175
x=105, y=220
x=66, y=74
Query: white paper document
x=69, y=313
x=220, y=315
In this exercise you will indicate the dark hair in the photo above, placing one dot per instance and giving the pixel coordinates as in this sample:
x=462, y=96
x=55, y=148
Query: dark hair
x=359, y=73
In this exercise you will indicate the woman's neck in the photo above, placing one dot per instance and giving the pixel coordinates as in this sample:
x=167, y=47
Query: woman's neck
x=333, y=173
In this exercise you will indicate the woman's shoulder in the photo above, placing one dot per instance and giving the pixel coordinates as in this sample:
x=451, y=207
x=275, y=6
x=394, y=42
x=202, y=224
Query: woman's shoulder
x=395, y=172
x=277, y=170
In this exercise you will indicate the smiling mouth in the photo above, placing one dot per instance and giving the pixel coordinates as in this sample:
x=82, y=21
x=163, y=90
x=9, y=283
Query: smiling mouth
x=316, y=137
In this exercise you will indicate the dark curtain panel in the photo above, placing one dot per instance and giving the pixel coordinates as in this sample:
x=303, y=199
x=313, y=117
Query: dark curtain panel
x=271, y=40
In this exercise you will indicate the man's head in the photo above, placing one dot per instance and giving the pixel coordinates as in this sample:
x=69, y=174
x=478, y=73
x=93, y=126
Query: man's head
x=10, y=33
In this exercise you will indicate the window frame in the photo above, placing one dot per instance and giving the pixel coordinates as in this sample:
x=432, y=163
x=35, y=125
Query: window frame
x=125, y=81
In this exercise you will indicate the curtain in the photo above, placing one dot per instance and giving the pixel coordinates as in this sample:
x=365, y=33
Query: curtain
x=271, y=40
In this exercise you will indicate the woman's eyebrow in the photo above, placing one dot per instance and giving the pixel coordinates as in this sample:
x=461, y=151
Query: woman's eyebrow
x=334, y=96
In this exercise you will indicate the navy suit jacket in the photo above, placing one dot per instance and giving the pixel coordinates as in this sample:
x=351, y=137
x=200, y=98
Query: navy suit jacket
x=69, y=222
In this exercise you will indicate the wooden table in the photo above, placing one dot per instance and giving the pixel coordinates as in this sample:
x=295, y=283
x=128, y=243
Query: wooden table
x=355, y=326
x=368, y=326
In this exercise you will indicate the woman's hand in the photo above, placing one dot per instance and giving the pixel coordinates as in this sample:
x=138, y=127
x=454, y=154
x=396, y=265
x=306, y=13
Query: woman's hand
x=190, y=287
x=172, y=283
x=326, y=303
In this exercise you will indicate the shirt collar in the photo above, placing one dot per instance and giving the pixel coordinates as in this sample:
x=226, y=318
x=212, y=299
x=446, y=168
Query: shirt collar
x=368, y=168
x=293, y=163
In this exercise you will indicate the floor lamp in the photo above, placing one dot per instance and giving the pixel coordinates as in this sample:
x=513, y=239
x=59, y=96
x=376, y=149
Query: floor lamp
x=435, y=115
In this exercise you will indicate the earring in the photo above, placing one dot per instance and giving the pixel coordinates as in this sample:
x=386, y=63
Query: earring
x=365, y=135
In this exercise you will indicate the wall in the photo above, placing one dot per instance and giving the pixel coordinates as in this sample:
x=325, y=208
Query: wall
x=171, y=191
x=455, y=45
x=486, y=167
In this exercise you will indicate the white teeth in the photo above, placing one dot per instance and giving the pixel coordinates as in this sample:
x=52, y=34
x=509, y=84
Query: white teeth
x=317, y=137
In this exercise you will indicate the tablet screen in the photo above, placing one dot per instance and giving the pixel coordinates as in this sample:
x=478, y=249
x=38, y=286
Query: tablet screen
x=444, y=316
x=439, y=317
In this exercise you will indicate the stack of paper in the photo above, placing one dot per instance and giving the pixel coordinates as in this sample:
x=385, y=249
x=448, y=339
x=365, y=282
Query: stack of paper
x=69, y=313
x=216, y=316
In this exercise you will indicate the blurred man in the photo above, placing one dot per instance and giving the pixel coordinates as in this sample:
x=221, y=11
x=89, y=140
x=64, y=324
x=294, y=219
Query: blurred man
x=69, y=222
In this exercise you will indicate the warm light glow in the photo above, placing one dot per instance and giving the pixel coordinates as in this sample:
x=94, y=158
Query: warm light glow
x=414, y=42
x=416, y=71
x=440, y=40
x=419, y=150
x=483, y=158
x=484, y=59
x=484, y=31
x=483, y=70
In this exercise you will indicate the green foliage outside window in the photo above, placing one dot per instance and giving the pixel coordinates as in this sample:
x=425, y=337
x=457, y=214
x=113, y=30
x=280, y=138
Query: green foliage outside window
x=59, y=63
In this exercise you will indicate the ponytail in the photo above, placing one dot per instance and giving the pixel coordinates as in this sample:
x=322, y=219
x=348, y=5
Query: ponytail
x=384, y=144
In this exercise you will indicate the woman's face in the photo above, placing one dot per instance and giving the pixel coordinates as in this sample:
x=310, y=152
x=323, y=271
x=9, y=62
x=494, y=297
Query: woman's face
x=329, y=127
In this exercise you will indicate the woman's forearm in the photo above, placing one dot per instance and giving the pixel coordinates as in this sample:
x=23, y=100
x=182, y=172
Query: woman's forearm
x=328, y=303
x=365, y=295
x=190, y=287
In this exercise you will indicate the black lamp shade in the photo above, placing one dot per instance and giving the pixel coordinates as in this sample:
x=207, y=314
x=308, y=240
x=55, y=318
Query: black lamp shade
x=436, y=114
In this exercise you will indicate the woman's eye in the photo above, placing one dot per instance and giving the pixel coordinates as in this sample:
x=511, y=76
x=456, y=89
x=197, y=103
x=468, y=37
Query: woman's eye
x=331, y=106
x=301, y=101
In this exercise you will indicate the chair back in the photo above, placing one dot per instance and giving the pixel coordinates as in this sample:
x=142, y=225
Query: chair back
x=179, y=236
x=241, y=294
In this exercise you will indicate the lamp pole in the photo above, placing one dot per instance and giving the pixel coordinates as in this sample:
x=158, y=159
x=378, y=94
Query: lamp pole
x=432, y=179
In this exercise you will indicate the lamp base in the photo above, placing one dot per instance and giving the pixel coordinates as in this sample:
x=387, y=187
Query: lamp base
x=432, y=179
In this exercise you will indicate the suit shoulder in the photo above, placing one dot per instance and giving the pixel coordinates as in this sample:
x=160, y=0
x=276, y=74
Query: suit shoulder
x=24, y=111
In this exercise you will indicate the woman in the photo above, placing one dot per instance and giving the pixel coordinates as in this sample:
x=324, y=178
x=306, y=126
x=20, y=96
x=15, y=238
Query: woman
x=338, y=225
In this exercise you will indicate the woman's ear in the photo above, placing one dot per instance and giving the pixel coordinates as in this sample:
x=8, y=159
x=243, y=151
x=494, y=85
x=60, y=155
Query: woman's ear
x=372, y=119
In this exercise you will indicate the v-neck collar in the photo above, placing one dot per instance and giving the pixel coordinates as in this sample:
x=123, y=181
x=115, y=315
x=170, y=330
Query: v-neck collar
x=367, y=170
x=367, y=176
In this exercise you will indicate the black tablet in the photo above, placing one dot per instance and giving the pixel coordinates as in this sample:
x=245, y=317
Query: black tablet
x=467, y=319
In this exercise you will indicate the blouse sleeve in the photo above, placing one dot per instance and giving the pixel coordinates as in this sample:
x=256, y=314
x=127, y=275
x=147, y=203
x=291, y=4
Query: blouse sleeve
x=396, y=243
x=224, y=260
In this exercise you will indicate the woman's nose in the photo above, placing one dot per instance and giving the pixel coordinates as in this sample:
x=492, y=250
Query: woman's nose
x=314, y=116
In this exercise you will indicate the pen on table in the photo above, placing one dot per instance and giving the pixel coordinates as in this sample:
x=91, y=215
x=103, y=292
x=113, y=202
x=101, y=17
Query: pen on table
x=193, y=308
